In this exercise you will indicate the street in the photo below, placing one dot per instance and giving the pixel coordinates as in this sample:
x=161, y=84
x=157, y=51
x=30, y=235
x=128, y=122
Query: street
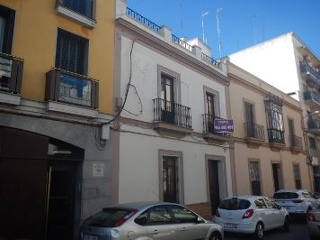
x=298, y=231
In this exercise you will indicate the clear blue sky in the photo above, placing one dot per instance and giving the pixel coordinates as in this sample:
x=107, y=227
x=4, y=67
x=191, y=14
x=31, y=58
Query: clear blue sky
x=240, y=23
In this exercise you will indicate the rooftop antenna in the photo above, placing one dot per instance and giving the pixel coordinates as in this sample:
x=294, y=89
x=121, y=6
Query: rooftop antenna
x=218, y=28
x=202, y=24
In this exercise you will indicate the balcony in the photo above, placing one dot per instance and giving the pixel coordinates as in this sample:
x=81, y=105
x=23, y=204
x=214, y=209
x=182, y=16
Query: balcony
x=295, y=143
x=171, y=118
x=71, y=90
x=314, y=126
x=313, y=98
x=11, y=69
x=276, y=138
x=311, y=75
x=210, y=134
x=254, y=134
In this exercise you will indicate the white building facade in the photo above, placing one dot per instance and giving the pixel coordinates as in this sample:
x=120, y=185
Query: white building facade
x=288, y=64
x=168, y=93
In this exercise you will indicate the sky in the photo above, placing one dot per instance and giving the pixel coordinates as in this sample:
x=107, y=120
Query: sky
x=228, y=26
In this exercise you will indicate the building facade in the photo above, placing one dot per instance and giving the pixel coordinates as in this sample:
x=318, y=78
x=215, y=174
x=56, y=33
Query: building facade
x=56, y=92
x=287, y=63
x=168, y=95
x=268, y=138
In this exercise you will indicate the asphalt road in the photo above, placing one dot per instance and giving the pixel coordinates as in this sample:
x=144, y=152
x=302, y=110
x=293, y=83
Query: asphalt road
x=298, y=231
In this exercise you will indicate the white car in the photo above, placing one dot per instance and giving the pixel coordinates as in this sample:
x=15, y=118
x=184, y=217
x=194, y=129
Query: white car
x=149, y=221
x=297, y=201
x=251, y=215
x=313, y=223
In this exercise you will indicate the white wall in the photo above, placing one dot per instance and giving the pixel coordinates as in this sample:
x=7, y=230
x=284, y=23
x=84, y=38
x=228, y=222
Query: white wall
x=144, y=78
x=273, y=61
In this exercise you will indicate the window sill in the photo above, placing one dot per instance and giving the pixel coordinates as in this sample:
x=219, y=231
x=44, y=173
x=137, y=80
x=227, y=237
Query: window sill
x=85, y=21
x=10, y=98
x=70, y=109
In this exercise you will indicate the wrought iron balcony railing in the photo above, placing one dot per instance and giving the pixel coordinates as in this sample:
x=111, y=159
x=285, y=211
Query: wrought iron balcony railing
x=208, y=124
x=311, y=72
x=295, y=141
x=313, y=96
x=254, y=130
x=170, y=112
x=276, y=136
x=68, y=87
x=11, y=69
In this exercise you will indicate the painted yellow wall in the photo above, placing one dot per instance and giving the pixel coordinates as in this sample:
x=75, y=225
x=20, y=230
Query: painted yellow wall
x=34, y=40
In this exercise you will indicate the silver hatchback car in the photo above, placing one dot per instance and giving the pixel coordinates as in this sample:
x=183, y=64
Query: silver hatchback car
x=148, y=221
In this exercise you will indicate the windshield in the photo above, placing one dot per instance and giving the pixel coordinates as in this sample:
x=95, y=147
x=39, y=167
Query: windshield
x=234, y=204
x=285, y=195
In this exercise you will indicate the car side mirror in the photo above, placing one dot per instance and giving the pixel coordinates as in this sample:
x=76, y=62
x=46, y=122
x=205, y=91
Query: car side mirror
x=199, y=220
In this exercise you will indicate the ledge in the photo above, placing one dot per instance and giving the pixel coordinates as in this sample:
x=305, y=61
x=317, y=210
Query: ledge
x=10, y=98
x=70, y=109
x=216, y=138
x=85, y=21
x=171, y=130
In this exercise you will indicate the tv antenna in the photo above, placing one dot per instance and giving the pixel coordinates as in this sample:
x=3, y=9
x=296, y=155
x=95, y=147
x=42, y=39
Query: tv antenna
x=218, y=28
x=202, y=24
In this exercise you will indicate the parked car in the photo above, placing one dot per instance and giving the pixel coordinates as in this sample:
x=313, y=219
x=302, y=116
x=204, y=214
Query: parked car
x=297, y=201
x=313, y=223
x=146, y=220
x=251, y=215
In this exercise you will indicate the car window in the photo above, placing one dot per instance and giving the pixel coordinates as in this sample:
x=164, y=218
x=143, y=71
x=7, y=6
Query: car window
x=270, y=203
x=234, y=204
x=159, y=215
x=109, y=217
x=142, y=219
x=285, y=195
x=183, y=215
x=260, y=203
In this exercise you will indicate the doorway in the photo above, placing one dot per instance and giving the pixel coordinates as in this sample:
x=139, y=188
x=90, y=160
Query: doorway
x=214, y=185
x=277, y=179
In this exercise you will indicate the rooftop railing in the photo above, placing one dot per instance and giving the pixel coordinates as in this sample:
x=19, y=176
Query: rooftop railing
x=176, y=40
x=156, y=28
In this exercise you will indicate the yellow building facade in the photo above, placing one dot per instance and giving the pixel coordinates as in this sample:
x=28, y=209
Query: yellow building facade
x=56, y=106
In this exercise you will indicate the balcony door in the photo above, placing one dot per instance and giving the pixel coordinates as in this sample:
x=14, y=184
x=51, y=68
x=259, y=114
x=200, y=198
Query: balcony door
x=210, y=111
x=167, y=96
x=249, y=111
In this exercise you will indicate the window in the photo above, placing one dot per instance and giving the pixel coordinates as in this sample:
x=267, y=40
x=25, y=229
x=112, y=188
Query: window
x=312, y=143
x=273, y=106
x=183, y=215
x=71, y=52
x=255, y=178
x=6, y=29
x=159, y=215
x=210, y=110
x=84, y=7
x=260, y=203
x=296, y=175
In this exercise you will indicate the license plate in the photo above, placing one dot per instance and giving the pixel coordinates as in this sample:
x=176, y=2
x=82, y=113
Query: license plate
x=230, y=225
x=90, y=237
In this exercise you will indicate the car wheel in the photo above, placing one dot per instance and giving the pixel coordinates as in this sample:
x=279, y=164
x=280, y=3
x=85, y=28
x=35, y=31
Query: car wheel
x=215, y=236
x=286, y=224
x=259, y=232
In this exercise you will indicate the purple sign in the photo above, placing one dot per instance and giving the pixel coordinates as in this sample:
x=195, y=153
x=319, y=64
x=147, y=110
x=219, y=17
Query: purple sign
x=223, y=126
